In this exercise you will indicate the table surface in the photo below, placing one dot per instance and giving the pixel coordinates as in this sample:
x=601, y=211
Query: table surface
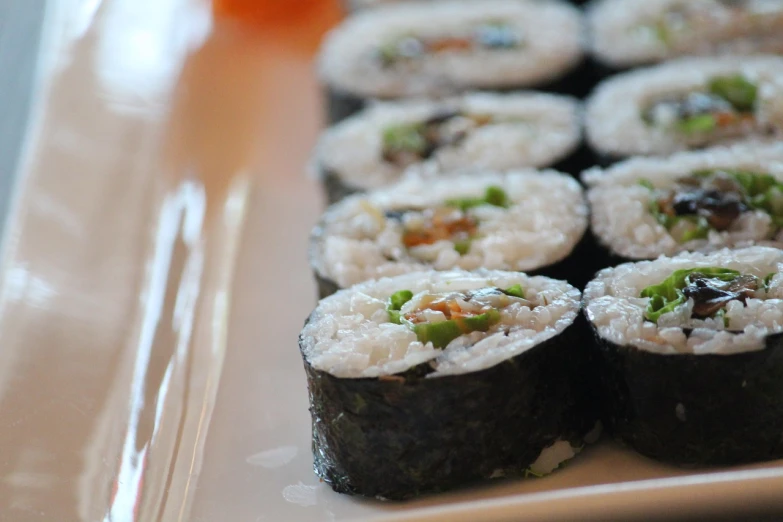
x=162, y=185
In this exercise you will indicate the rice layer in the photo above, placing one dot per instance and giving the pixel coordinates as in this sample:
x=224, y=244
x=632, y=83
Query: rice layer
x=528, y=130
x=545, y=219
x=632, y=32
x=551, y=45
x=614, y=307
x=621, y=216
x=349, y=334
x=614, y=113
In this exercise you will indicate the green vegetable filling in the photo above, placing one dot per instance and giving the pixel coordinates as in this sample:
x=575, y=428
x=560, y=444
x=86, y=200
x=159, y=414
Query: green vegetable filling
x=494, y=196
x=396, y=302
x=441, y=224
x=707, y=209
x=441, y=333
x=697, y=124
x=736, y=90
x=710, y=288
x=405, y=138
x=515, y=291
x=462, y=247
x=726, y=101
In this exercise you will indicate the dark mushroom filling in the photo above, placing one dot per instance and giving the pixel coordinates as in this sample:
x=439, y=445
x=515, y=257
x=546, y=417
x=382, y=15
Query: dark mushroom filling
x=410, y=143
x=453, y=221
x=711, y=290
x=491, y=36
x=714, y=200
x=727, y=103
x=462, y=312
x=710, y=295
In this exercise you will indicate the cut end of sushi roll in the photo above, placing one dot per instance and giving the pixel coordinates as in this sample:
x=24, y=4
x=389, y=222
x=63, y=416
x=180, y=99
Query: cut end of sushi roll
x=692, y=354
x=657, y=307
x=478, y=130
x=691, y=201
x=396, y=50
x=449, y=322
x=633, y=32
x=434, y=380
x=686, y=104
x=524, y=220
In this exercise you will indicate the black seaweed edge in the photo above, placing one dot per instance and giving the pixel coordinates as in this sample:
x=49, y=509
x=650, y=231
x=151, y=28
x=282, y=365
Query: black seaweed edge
x=438, y=434
x=694, y=410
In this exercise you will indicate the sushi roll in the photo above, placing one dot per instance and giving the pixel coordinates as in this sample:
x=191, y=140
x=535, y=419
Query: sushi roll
x=686, y=104
x=692, y=355
x=524, y=221
x=397, y=51
x=693, y=201
x=433, y=380
x=481, y=130
x=627, y=33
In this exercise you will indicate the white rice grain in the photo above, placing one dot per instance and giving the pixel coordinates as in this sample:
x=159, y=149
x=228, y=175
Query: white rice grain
x=614, y=307
x=354, y=242
x=621, y=219
x=552, y=45
x=613, y=115
x=547, y=129
x=347, y=338
x=625, y=32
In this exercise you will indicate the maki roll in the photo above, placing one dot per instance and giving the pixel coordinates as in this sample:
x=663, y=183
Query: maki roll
x=686, y=104
x=524, y=221
x=432, y=380
x=692, y=201
x=397, y=51
x=693, y=356
x=481, y=130
x=626, y=33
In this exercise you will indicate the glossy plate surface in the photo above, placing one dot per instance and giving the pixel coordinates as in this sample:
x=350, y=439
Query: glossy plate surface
x=127, y=390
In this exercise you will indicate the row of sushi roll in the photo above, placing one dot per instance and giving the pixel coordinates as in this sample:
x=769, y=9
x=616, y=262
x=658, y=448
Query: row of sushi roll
x=428, y=381
x=503, y=274
x=685, y=104
x=396, y=51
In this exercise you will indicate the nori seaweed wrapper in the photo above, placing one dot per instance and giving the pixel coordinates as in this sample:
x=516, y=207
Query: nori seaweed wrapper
x=335, y=189
x=575, y=163
x=406, y=435
x=603, y=256
x=578, y=267
x=695, y=410
x=340, y=105
x=325, y=286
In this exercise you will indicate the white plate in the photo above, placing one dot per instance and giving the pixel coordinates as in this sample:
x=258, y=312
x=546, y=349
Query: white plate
x=113, y=405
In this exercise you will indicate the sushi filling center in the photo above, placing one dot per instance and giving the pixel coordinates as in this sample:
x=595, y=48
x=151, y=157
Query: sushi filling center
x=451, y=222
x=727, y=104
x=710, y=289
x=409, y=143
x=439, y=318
x=491, y=35
x=715, y=200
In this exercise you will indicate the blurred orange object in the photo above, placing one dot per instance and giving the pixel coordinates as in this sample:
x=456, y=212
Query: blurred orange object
x=265, y=11
x=297, y=24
